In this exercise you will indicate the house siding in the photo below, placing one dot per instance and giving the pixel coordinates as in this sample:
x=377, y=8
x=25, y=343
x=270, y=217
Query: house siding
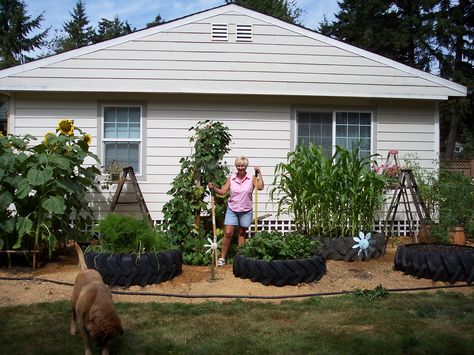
x=280, y=60
x=410, y=128
x=262, y=131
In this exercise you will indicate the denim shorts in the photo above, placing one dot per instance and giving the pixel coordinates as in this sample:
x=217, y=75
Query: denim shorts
x=241, y=219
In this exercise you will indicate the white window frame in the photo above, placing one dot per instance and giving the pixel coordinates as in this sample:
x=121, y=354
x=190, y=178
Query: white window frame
x=139, y=140
x=334, y=111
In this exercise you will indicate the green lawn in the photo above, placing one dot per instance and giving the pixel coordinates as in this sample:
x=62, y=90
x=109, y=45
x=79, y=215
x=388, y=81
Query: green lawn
x=436, y=323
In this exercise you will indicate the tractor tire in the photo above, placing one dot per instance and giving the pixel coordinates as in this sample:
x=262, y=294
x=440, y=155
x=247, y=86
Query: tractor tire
x=131, y=269
x=341, y=248
x=438, y=262
x=280, y=272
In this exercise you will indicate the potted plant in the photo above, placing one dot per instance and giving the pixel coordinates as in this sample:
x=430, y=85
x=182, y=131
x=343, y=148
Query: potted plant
x=273, y=258
x=130, y=252
x=113, y=172
x=333, y=199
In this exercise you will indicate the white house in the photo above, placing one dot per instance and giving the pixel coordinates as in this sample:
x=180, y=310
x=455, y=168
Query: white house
x=272, y=83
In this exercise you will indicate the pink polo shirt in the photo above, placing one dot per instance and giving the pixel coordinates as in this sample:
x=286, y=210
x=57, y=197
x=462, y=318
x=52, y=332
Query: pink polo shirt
x=240, y=193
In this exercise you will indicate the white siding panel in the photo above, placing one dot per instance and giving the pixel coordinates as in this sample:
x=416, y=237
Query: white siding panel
x=215, y=48
x=255, y=87
x=409, y=128
x=301, y=58
x=178, y=37
x=192, y=65
x=235, y=76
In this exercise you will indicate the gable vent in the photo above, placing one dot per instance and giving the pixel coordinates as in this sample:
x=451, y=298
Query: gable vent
x=244, y=33
x=219, y=32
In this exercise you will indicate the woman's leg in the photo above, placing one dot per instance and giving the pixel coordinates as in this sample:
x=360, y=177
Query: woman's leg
x=228, y=232
x=242, y=236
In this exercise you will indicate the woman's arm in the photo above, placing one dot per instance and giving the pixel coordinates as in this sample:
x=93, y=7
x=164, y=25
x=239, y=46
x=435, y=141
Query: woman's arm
x=223, y=190
x=258, y=173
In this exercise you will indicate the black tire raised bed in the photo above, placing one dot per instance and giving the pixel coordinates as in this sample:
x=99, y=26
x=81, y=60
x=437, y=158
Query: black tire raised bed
x=438, y=262
x=280, y=272
x=132, y=269
x=341, y=248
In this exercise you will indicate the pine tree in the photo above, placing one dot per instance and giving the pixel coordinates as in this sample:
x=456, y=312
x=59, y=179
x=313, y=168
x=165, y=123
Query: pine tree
x=401, y=30
x=15, y=27
x=157, y=21
x=78, y=32
x=282, y=9
x=455, y=35
x=108, y=29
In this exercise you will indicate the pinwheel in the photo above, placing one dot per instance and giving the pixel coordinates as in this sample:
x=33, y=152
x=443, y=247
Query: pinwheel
x=363, y=243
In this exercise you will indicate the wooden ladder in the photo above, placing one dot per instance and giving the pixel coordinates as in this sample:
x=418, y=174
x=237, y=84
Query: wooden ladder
x=407, y=184
x=140, y=201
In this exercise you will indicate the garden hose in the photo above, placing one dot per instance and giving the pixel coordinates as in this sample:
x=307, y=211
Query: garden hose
x=158, y=294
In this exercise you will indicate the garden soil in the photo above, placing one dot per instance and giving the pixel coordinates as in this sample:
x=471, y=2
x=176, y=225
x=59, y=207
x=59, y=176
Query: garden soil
x=196, y=281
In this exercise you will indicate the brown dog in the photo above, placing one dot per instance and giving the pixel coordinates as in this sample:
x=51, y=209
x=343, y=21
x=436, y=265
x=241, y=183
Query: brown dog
x=92, y=308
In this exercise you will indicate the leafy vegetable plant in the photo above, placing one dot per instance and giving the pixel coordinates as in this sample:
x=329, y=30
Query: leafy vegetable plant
x=277, y=246
x=126, y=234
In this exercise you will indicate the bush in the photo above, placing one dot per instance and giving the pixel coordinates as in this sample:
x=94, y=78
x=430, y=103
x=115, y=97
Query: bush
x=277, y=246
x=125, y=234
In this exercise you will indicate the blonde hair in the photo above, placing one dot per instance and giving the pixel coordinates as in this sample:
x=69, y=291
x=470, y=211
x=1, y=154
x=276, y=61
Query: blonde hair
x=242, y=161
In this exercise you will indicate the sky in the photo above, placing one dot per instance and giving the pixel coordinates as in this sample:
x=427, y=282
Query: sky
x=140, y=12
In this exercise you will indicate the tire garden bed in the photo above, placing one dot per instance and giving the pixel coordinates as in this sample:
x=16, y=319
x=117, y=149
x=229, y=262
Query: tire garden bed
x=280, y=272
x=438, y=262
x=132, y=269
x=342, y=248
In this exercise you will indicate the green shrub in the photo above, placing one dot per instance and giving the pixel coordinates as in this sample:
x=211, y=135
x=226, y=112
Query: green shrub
x=277, y=246
x=125, y=234
x=456, y=202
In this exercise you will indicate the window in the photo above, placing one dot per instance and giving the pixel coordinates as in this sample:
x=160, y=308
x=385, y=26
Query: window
x=328, y=128
x=122, y=135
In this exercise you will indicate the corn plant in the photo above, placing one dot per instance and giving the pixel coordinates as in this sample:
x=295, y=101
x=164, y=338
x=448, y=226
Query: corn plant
x=333, y=196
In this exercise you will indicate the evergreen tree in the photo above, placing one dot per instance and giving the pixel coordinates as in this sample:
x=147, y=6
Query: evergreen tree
x=108, y=29
x=419, y=33
x=285, y=10
x=157, y=21
x=78, y=32
x=401, y=30
x=455, y=36
x=15, y=27
x=365, y=24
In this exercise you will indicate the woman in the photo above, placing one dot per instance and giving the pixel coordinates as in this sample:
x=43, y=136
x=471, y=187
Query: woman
x=239, y=206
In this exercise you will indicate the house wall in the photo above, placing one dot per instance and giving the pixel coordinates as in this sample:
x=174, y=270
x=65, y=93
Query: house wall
x=180, y=57
x=262, y=129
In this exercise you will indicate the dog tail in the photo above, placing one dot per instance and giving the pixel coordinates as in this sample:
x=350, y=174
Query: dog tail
x=80, y=254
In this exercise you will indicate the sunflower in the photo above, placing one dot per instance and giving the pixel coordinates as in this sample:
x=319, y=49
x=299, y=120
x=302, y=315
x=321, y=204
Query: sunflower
x=87, y=138
x=66, y=127
x=47, y=136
